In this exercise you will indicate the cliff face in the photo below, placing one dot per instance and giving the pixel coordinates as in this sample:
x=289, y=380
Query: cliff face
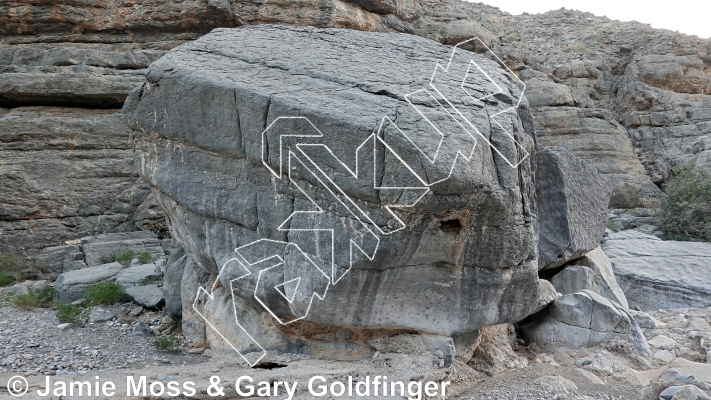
x=629, y=99
x=628, y=96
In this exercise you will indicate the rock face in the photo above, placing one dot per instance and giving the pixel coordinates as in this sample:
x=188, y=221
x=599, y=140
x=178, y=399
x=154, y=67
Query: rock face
x=469, y=241
x=628, y=81
x=572, y=207
x=657, y=274
x=66, y=174
x=97, y=248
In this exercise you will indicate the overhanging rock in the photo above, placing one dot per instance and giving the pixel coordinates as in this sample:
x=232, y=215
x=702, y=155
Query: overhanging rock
x=411, y=221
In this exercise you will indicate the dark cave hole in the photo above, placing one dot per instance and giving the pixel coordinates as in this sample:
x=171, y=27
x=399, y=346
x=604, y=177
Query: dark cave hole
x=451, y=226
x=269, y=365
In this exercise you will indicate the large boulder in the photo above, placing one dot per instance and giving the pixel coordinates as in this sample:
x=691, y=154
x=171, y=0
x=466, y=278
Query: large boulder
x=572, y=206
x=208, y=128
x=582, y=319
x=657, y=274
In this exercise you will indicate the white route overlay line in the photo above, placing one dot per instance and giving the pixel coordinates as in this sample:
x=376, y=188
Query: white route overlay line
x=471, y=125
x=252, y=358
x=370, y=257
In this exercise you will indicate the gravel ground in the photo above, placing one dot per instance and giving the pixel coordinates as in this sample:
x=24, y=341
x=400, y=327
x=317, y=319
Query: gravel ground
x=31, y=343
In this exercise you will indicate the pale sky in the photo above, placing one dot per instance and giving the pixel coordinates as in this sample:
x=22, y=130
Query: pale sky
x=686, y=16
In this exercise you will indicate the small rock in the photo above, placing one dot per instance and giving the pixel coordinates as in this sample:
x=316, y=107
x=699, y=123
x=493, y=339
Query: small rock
x=102, y=314
x=135, y=311
x=592, y=378
x=142, y=329
x=150, y=296
x=161, y=377
x=556, y=384
x=62, y=327
x=663, y=342
x=548, y=359
x=198, y=350
x=644, y=320
x=686, y=392
x=10, y=360
x=664, y=355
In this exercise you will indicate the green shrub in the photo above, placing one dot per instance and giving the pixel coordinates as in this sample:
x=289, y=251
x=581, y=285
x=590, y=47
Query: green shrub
x=124, y=257
x=20, y=268
x=168, y=344
x=611, y=225
x=42, y=298
x=686, y=204
x=145, y=257
x=104, y=293
x=6, y=279
x=69, y=313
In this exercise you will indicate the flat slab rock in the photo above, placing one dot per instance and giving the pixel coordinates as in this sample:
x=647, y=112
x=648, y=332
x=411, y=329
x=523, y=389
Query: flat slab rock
x=658, y=274
x=150, y=296
x=70, y=286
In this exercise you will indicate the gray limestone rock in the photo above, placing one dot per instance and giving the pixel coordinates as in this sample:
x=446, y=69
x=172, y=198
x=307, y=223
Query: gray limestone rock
x=101, y=247
x=546, y=295
x=142, y=329
x=139, y=275
x=149, y=296
x=582, y=319
x=89, y=155
x=572, y=206
x=172, y=280
x=193, y=278
x=61, y=258
x=594, y=272
x=546, y=93
x=656, y=274
x=70, y=285
x=102, y=313
x=686, y=392
x=469, y=242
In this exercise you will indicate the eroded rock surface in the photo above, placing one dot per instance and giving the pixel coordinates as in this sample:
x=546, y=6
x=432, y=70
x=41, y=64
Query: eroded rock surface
x=469, y=242
x=657, y=274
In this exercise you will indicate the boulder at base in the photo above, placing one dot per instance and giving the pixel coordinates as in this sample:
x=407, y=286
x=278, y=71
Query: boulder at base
x=593, y=271
x=580, y=320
